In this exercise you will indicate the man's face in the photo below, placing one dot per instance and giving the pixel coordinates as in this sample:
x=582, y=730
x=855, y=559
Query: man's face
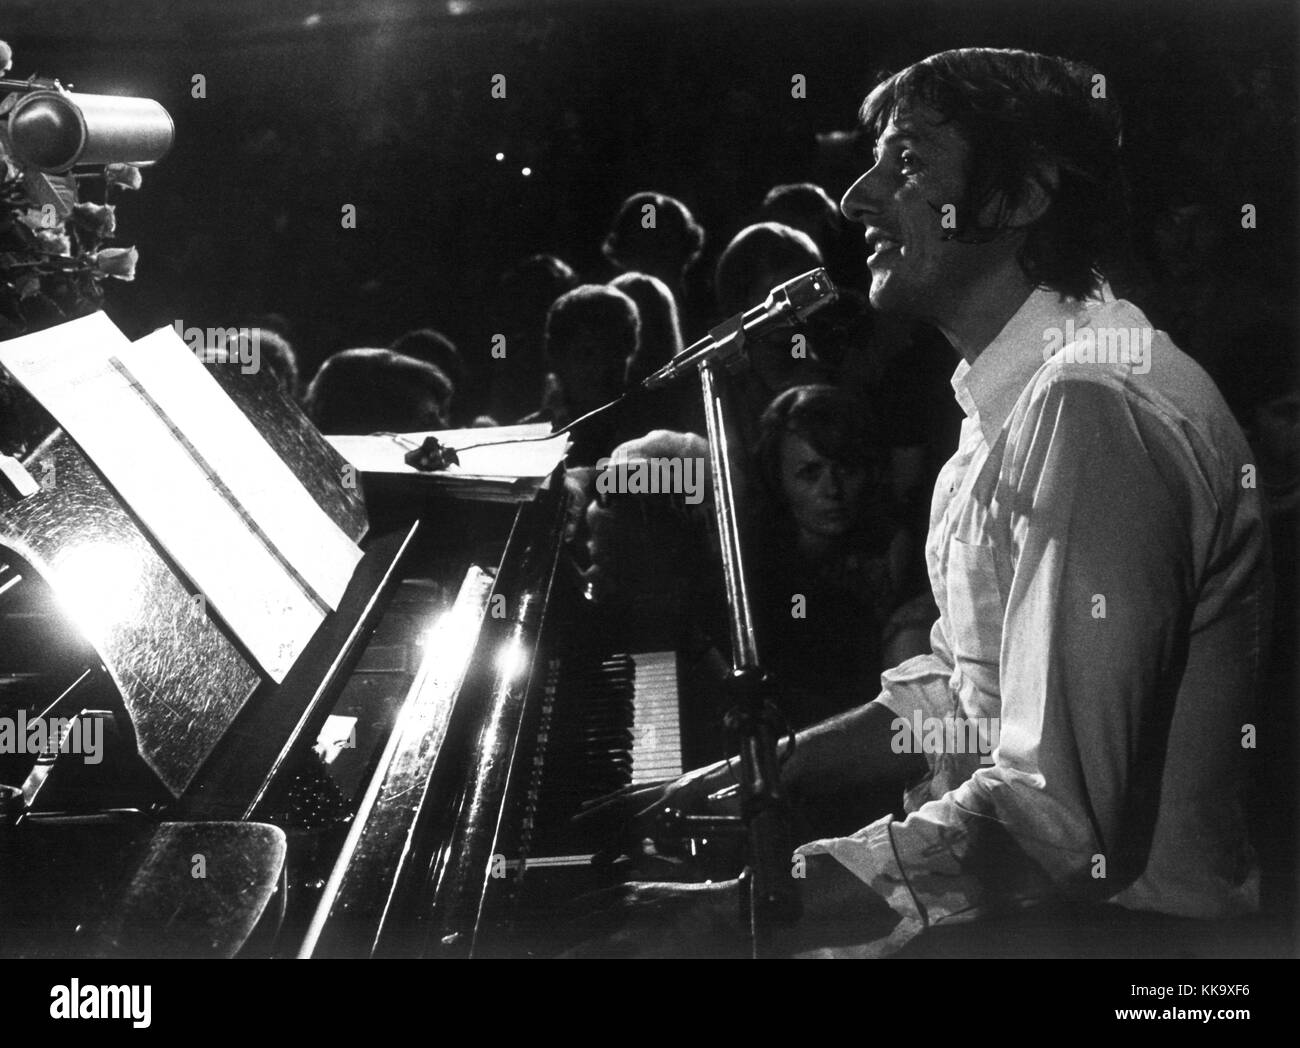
x=918, y=162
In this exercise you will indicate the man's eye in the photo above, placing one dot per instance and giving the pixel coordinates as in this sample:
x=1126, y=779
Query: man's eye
x=907, y=160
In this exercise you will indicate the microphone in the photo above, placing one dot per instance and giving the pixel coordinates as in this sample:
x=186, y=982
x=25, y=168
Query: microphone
x=785, y=306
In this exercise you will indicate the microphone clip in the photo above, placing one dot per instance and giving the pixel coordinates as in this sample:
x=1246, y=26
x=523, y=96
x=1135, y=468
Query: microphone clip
x=430, y=456
x=729, y=338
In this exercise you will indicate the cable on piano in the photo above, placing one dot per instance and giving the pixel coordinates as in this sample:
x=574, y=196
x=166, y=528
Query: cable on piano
x=440, y=456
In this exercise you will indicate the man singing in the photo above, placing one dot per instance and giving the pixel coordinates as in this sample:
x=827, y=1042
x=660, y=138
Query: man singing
x=1096, y=550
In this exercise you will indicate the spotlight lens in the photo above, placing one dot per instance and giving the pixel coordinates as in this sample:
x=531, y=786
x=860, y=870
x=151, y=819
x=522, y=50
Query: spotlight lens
x=45, y=131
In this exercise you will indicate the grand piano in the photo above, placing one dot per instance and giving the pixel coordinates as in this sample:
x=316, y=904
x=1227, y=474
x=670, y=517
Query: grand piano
x=406, y=790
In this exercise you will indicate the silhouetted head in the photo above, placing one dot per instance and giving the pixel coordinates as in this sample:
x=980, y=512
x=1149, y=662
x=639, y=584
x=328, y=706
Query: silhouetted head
x=661, y=333
x=806, y=207
x=377, y=390
x=434, y=348
x=525, y=293
x=759, y=258
x=656, y=234
x=590, y=333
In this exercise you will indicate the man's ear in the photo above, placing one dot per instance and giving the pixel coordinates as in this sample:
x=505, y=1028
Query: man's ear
x=1036, y=196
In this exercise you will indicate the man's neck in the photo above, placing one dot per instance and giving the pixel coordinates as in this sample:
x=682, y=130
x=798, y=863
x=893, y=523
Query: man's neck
x=984, y=312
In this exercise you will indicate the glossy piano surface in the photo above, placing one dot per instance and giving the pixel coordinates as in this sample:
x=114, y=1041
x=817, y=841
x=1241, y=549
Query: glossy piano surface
x=180, y=676
x=407, y=789
x=298, y=757
x=117, y=594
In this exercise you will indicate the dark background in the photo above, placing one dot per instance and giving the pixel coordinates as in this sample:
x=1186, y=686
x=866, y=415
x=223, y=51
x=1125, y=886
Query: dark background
x=386, y=105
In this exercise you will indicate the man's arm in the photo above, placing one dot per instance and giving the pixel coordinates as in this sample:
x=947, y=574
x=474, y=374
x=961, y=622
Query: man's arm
x=849, y=752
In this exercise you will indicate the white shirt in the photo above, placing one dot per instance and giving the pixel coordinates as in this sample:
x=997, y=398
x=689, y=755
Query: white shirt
x=1098, y=555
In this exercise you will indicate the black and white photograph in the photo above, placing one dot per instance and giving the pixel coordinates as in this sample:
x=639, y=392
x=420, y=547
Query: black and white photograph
x=593, y=480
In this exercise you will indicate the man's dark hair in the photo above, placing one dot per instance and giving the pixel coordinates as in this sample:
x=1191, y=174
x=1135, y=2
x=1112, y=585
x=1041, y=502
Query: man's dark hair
x=1024, y=114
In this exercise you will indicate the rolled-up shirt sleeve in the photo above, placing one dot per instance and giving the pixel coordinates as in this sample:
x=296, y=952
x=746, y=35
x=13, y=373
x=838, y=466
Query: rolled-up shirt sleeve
x=1094, y=495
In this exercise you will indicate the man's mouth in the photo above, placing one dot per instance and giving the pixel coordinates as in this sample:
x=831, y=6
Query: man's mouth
x=882, y=246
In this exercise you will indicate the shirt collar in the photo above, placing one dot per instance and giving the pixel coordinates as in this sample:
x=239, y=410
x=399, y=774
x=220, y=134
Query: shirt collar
x=989, y=388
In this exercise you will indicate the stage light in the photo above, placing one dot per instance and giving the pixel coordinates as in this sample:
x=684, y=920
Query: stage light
x=54, y=130
x=526, y=172
x=501, y=156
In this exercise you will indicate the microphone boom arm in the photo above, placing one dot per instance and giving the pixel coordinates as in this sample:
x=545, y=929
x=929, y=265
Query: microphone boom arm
x=785, y=305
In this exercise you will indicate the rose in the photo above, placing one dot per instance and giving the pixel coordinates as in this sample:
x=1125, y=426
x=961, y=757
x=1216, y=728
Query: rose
x=117, y=262
x=124, y=176
x=98, y=219
x=54, y=241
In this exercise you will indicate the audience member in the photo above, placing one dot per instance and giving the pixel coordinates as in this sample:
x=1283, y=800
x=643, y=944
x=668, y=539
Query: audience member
x=590, y=333
x=661, y=336
x=759, y=258
x=655, y=234
x=376, y=390
x=806, y=207
x=523, y=296
x=829, y=558
x=437, y=349
x=271, y=351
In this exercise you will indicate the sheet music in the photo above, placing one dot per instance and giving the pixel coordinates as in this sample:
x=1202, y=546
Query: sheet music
x=182, y=458
x=504, y=458
x=256, y=476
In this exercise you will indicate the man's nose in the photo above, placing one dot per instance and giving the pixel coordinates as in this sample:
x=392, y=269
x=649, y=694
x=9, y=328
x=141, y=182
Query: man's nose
x=862, y=201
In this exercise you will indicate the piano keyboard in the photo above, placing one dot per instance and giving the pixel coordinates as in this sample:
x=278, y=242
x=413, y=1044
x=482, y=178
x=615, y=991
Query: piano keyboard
x=605, y=724
x=656, y=725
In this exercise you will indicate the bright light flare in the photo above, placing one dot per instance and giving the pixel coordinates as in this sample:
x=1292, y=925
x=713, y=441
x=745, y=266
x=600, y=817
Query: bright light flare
x=98, y=585
x=511, y=658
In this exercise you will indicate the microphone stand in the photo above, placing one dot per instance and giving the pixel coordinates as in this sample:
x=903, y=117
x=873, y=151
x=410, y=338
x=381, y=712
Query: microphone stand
x=771, y=892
